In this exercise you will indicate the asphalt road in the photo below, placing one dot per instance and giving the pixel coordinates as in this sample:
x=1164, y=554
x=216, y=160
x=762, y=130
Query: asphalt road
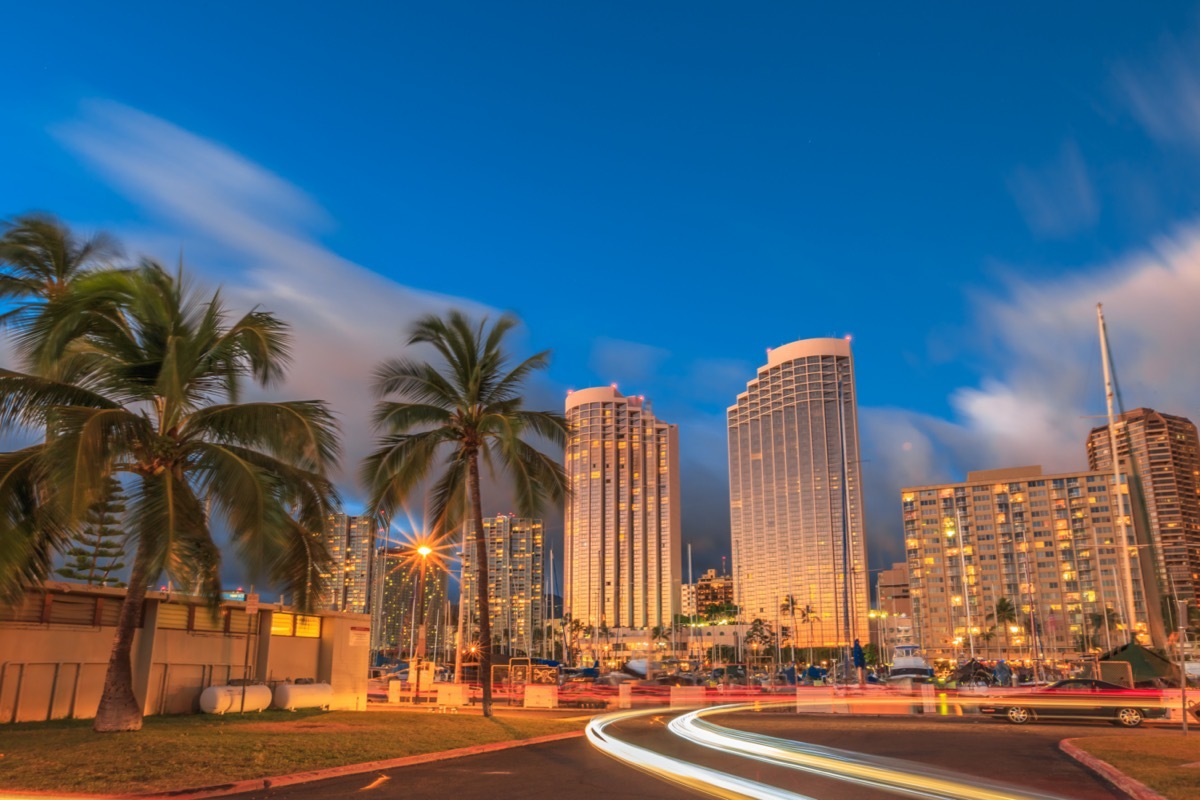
x=1027, y=757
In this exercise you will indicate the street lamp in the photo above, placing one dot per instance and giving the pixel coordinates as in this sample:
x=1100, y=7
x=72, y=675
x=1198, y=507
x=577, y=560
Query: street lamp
x=423, y=550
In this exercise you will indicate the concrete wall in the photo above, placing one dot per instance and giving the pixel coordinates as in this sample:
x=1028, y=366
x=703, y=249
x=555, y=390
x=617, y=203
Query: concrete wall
x=55, y=646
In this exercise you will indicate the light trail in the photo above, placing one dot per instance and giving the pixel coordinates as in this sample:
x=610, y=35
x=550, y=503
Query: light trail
x=875, y=771
x=693, y=776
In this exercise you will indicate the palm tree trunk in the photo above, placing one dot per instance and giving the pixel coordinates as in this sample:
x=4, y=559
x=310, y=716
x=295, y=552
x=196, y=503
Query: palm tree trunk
x=119, y=709
x=481, y=582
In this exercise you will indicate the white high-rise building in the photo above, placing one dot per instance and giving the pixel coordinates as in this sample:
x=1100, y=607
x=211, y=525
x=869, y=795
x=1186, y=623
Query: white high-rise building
x=622, y=562
x=516, y=604
x=796, y=493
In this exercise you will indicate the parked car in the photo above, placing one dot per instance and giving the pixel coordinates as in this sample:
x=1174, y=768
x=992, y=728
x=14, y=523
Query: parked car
x=1079, y=699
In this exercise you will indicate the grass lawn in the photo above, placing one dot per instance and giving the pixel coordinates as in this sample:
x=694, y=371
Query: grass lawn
x=1156, y=760
x=192, y=751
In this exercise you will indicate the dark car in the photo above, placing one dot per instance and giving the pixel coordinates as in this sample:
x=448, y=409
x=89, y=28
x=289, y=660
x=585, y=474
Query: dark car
x=1079, y=699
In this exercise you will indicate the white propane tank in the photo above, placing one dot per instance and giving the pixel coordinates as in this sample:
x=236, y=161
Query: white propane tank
x=225, y=699
x=290, y=696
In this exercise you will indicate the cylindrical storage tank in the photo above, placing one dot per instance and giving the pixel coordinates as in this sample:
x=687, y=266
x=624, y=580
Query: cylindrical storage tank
x=290, y=696
x=224, y=699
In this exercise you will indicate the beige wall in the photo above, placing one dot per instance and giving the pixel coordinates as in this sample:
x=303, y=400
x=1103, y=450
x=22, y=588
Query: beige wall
x=52, y=664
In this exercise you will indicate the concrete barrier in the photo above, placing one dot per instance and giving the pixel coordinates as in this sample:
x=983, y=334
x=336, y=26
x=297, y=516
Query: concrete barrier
x=453, y=695
x=688, y=696
x=538, y=696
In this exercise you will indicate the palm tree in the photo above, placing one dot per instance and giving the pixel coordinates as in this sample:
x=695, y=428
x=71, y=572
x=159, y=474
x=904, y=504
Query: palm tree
x=808, y=615
x=1105, y=620
x=987, y=636
x=789, y=607
x=1004, y=614
x=41, y=258
x=472, y=410
x=147, y=385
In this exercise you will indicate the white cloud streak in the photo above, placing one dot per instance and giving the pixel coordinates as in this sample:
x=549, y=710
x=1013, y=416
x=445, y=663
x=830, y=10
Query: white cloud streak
x=345, y=318
x=1056, y=199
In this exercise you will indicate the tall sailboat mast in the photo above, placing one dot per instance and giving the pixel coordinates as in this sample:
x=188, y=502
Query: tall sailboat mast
x=1123, y=541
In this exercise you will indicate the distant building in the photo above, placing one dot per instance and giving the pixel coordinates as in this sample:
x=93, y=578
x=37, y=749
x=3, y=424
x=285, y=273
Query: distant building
x=349, y=540
x=892, y=591
x=1166, y=450
x=622, y=560
x=515, y=593
x=687, y=600
x=796, y=504
x=891, y=619
x=713, y=591
x=394, y=610
x=1046, y=544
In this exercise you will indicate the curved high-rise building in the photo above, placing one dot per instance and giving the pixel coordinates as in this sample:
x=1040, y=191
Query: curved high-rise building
x=621, y=565
x=795, y=490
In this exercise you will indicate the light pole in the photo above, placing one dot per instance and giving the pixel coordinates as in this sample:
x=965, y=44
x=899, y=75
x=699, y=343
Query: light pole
x=423, y=551
x=952, y=530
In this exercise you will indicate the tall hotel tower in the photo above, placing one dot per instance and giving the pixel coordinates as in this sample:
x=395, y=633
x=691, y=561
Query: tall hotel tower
x=621, y=567
x=796, y=494
x=1166, y=450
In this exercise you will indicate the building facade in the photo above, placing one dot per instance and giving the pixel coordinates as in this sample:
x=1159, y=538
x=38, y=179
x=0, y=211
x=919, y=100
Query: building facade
x=1166, y=451
x=350, y=540
x=1044, y=546
x=796, y=506
x=892, y=590
x=622, y=556
x=515, y=582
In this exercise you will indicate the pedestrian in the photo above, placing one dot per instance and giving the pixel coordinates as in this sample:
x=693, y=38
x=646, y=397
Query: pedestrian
x=860, y=662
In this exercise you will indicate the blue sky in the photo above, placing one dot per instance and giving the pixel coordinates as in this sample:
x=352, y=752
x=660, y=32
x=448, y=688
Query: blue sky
x=662, y=191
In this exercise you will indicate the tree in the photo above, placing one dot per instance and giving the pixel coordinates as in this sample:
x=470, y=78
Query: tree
x=99, y=547
x=759, y=635
x=142, y=379
x=1103, y=622
x=722, y=612
x=808, y=616
x=471, y=410
x=40, y=259
x=987, y=636
x=1004, y=614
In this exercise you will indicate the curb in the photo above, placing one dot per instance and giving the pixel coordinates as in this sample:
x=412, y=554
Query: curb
x=253, y=784
x=1134, y=788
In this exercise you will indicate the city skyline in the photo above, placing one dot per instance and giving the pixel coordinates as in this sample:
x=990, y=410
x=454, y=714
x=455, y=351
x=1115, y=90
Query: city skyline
x=993, y=212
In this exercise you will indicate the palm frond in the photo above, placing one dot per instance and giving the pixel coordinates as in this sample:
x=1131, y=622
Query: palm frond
x=166, y=514
x=30, y=400
x=302, y=432
x=83, y=445
x=414, y=381
x=33, y=526
x=537, y=478
x=399, y=417
x=399, y=465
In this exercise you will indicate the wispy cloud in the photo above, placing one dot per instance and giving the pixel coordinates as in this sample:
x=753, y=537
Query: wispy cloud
x=1056, y=199
x=345, y=318
x=1164, y=95
x=1046, y=389
x=623, y=361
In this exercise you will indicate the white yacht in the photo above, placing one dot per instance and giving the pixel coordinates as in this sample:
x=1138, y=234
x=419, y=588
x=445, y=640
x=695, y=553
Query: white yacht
x=909, y=666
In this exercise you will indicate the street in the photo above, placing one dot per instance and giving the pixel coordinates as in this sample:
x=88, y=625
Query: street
x=1024, y=757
